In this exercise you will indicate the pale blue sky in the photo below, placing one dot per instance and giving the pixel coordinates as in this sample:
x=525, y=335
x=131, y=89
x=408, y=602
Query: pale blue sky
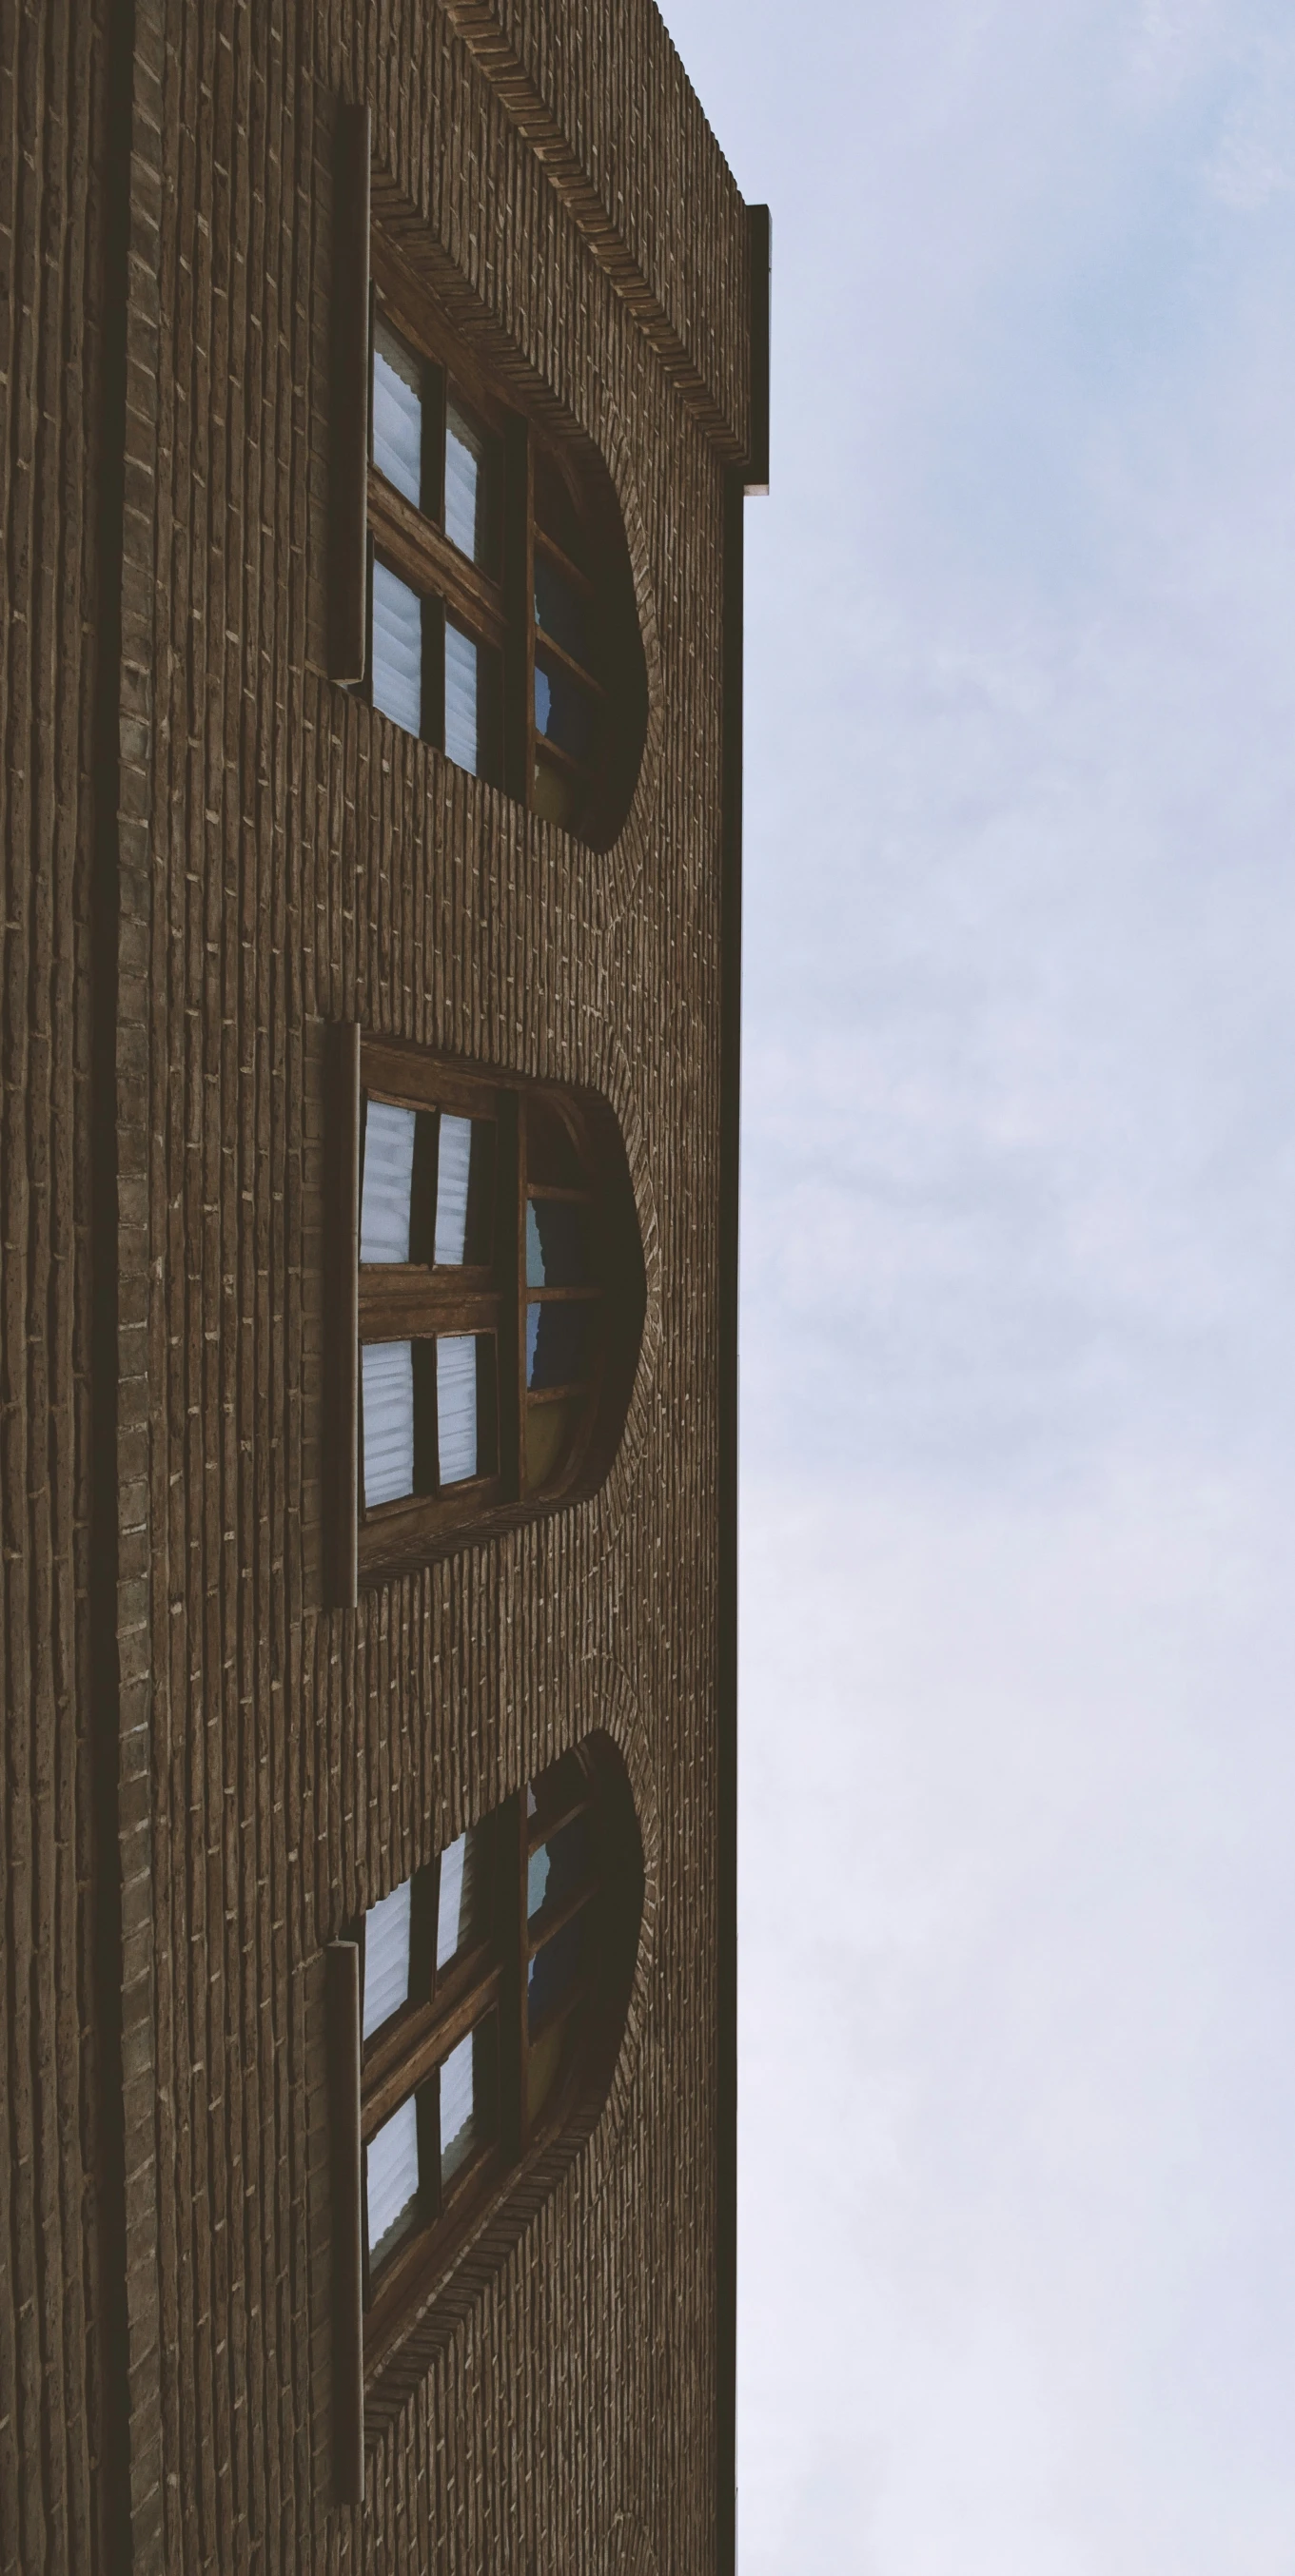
x=1018, y=1909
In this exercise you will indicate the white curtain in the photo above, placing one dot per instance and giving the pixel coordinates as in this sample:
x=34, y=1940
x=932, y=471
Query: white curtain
x=453, y=1166
x=456, y=1906
x=457, y=2105
x=461, y=658
x=398, y=650
x=386, y=1957
x=392, y=2173
x=397, y=429
x=464, y=485
x=388, y=1182
x=388, y=1381
x=456, y=1408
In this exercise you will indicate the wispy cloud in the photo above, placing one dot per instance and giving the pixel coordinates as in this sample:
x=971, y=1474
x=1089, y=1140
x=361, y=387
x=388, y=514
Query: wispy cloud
x=1019, y=2108
x=1019, y=1235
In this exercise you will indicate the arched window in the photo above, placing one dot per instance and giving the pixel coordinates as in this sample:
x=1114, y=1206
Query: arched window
x=501, y=613
x=481, y=2005
x=491, y=1302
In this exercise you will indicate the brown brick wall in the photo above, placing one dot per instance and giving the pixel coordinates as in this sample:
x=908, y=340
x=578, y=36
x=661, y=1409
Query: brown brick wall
x=623, y=137
x=51, y=127
x=284, y=858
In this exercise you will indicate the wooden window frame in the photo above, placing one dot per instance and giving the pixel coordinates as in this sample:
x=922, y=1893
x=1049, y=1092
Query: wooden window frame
x=420, y=1302
x=373, y=2078
x=497, y=608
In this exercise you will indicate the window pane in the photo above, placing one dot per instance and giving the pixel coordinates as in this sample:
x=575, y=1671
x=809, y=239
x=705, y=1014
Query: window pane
x=461, y=1904
x=555, y=510
x=388, y=1398
x=561, y=611
x=397, y=414
x=386, y=1957
x=557, y=1344
x=458, y=2107
x=554, y=794
x=557, y=1254
x=542, y=2064
x=397, y=650
x=549, y=1430
x=453, y=1168
x=388, y=1182
x=558, y=1867
x=456, y=1407
x=462, y=738
x=537, y=1880
x=553, y=1971
x=392, y=2177
x=467, y=486
x=564, y=712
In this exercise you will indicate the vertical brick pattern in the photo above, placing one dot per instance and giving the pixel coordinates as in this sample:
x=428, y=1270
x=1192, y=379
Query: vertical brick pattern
x=142, y=717
x=52, y=67
x=297, y=859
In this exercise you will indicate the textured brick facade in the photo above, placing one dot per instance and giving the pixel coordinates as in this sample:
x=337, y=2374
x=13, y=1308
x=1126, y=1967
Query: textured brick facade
x=211, y=854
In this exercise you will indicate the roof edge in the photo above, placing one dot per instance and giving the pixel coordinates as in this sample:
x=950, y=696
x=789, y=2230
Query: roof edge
x=592, y=124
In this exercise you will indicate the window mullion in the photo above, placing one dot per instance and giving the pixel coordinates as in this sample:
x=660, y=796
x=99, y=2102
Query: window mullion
x=433, y=712
x=417, y=1304
x=519, y=610
x=433, y=459
x=423, y=557
x=433, y=2038
x=422, y=1932
x=520, y=1299
x=429, y=2148
x=520, y=2043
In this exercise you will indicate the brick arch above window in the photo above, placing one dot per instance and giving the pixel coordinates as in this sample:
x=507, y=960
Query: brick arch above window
x=477, y=2012
x=488, y=1303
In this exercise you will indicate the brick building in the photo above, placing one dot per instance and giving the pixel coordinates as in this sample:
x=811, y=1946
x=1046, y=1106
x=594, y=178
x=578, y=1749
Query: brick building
x=380, y=386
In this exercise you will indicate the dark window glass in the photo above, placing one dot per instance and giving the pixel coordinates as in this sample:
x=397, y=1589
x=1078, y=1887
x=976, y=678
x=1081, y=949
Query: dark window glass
x=554, y=1971
x=551, y=1157
x=561, y=611
x=550, y=1429
x=564, y=711
x=559, y=1867
x=556, y=512
x=557, y=1246
x=557, y=1345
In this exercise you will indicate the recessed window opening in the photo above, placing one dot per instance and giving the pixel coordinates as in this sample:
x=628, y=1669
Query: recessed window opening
x=502, y=626
x=498, y=1298
x=493, y=1986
